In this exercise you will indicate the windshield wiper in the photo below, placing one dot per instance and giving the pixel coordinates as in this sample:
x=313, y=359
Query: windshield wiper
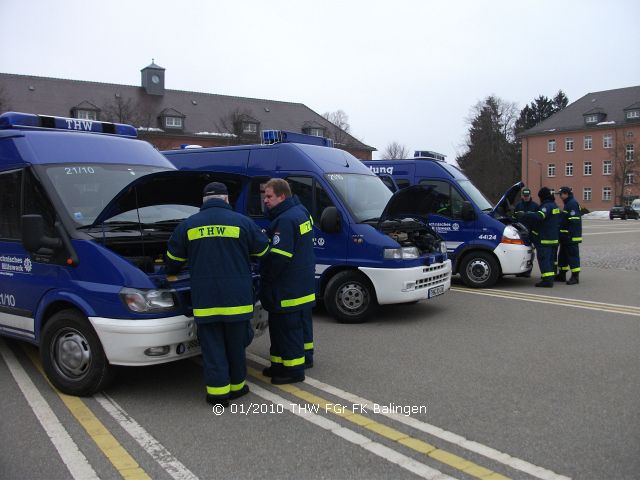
x=373, y=219
x=112, y=225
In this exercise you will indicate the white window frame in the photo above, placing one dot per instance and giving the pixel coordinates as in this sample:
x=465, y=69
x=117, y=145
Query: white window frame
x=587, y=142
x=606, y=193
x=551, y=170
x=568, y=169
x=629, y=152
x=633, y=114
x=629, y=178
x=607, y=167
x=551, y=145
x=591, y=118
x=173, y=122
x=607, y=140
x=586, y=194
x=568, y=144
x=87, y=114
x=316, y=132
x=249, y=127
x=588, y=168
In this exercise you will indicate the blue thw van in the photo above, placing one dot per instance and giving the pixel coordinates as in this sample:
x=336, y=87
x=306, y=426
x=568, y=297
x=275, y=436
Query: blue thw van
x=368, y=250
x=86, y=211
x=483, y=240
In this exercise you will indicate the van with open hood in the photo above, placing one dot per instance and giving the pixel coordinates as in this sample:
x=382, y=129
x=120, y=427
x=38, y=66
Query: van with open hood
x=369, y=250
x=86, y=211
x=483, y=241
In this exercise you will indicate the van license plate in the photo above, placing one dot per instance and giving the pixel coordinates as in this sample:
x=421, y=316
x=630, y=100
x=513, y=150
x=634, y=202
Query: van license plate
x=435, y=291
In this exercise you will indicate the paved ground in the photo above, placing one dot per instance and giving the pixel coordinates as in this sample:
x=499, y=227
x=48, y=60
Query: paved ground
x=508, y=382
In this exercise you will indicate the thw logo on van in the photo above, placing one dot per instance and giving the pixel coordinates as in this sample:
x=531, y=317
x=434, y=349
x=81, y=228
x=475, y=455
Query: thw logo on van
x=388, y=170
x=77, y=124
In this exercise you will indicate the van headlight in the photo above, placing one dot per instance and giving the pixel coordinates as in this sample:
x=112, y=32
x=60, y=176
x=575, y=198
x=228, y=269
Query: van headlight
x=443, y=247
x=147, y=301
x=403, y=253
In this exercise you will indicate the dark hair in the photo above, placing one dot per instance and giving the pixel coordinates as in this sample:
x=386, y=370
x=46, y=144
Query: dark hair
x=279, y=187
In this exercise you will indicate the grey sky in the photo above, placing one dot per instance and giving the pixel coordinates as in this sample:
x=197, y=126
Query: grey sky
x=407, y=71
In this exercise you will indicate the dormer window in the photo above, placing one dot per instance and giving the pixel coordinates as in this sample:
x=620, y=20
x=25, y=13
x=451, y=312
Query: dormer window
x=171, y=119
x=633, y=114
x=87, y=114
x=85, y=111
x=316, y=132
x=173, y=122
x=591, y=119
x=594, y=116
x=249, y=127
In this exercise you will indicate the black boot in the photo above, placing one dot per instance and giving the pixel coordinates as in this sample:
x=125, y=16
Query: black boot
x=545, y=282
x=575, y=279
x=239, y=393
x=561, y=276
x=272, y=371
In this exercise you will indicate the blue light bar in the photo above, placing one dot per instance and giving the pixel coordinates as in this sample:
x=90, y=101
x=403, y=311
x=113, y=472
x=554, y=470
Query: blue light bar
x=428, y=154
x=270, y=137
x=31, y=121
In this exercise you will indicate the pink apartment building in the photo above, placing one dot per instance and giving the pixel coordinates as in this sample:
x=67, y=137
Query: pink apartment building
x=592, y=146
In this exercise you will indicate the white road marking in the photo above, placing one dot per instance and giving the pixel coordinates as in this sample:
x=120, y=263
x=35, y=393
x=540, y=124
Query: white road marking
x=153, y=447
x=612, y=231
x=73, y=458
x=485, y=451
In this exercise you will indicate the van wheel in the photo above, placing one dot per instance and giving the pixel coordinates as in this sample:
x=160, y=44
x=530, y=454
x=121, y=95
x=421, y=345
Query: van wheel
x=72, y=355
x=350, y=297
x=479, y=270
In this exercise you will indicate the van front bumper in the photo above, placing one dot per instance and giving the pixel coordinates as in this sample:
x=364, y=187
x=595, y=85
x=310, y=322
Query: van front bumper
x=402, y=285
x=514, y=259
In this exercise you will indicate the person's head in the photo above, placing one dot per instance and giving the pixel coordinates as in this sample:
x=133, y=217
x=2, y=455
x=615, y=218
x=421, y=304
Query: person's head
x=526, y=194
x=565, y=192
x=276, y=191
x=215, y=190
x=544, y=194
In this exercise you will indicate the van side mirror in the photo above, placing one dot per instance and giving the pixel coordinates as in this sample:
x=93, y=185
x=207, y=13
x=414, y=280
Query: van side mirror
x=33, y=237
x=330, y=220
x=467, y=212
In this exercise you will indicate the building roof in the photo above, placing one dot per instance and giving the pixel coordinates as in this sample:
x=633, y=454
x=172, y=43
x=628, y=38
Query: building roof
x=610, y=102
x=204, y=112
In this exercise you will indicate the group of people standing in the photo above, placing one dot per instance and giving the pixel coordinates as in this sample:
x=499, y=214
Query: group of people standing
x=218, y=244
x=552, y=227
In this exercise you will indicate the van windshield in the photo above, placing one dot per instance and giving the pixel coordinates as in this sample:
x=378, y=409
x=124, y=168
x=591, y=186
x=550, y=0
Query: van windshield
x=86, y=189
x=475, y=195
x=365, y=196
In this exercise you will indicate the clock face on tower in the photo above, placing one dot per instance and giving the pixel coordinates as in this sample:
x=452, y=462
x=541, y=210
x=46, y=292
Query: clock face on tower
x=155, y=79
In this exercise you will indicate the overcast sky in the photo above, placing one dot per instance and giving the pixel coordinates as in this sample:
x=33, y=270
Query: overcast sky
x=406, y=71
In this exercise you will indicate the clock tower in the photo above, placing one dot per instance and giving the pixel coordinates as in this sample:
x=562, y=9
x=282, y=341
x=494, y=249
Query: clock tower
x=153, y=79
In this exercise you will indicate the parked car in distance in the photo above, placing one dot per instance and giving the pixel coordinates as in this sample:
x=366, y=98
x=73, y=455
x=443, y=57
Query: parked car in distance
x=623, y=213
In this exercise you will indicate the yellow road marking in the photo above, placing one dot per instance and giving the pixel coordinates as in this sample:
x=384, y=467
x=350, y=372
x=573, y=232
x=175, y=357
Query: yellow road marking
x=566, y=302
x=124, y=463
x=392, y=434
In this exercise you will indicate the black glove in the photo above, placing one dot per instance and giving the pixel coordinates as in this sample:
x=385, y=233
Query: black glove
x=519, y=215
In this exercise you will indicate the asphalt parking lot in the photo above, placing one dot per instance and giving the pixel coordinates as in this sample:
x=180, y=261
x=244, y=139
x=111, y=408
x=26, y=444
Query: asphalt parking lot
x=509, y=382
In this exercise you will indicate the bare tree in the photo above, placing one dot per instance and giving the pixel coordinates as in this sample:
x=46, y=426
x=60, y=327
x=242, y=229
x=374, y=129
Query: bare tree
x=624, y=158
x=340, y=129
x=394, y=151
x=124, y=110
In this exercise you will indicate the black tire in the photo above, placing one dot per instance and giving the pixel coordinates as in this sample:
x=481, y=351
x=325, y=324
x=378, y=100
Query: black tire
x=610, y=218
x=72, y=355
x=623, y=217
x=350, y=297
x=479, y=270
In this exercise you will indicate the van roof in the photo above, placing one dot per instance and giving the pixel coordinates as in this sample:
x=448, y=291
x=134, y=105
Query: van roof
x=419, y=167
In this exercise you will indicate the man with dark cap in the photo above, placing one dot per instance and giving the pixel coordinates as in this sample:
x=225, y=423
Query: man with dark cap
x=546, y=222
x=526, y=204
x=288, y=281
x=570, y=238
x=217, y=244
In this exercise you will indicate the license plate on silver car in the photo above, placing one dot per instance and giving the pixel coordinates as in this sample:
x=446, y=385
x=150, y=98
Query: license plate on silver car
x=435, y=291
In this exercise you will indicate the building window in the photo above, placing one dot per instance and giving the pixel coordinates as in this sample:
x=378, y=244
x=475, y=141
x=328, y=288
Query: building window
x=591, y=118
x=631, y=114
x=586, y=194
x=628, y=179
x=587, y=168
x=568, y=169
x=607, y=141
x=629, y=152
x=249, y=127
x=588, y=142
x=568, y=144
x=551, y=170
x=551, y=146
x=606, y=193
x=606, y=167
x=316, y=132
x=173, y=122
x=87, y=114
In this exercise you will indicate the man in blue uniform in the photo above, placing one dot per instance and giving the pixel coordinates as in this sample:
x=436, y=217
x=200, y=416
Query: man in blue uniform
x=570, y=238
x=526, y=204
x=546, y=222
x=217, y=244
x=287, y=281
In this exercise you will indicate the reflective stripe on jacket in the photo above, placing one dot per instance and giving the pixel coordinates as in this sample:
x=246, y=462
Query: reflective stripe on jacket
x=571, y=222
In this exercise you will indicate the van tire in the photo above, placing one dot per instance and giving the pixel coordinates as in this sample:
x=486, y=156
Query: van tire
x=350, y=297
x=72, y=355
x=479, y=269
